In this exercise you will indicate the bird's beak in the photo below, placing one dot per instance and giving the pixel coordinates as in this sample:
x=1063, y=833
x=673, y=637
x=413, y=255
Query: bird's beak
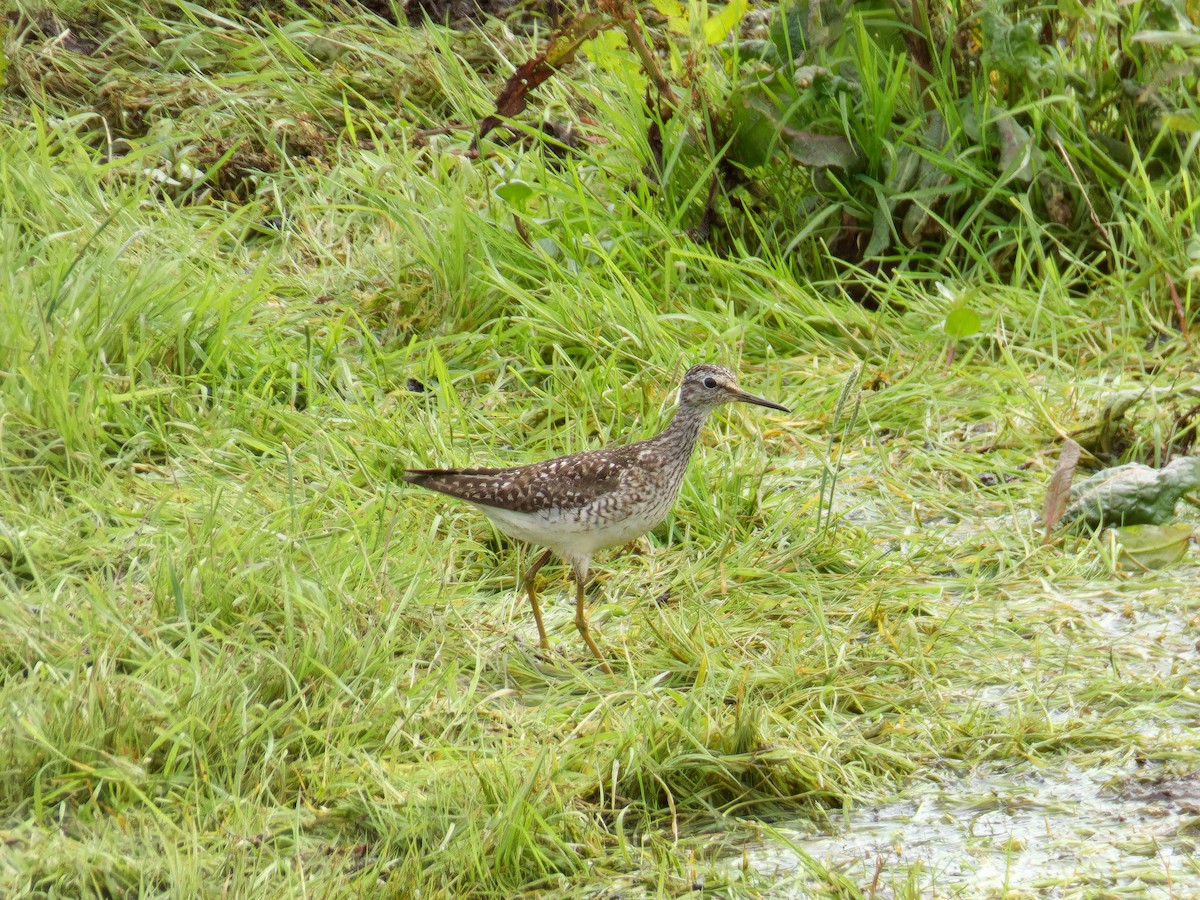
x=739, y=394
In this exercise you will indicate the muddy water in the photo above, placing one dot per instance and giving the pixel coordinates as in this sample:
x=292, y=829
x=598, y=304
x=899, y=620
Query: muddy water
x=1050, y=833
x=1121, y=823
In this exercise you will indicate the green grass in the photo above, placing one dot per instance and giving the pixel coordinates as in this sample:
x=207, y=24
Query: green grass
x=240, y=657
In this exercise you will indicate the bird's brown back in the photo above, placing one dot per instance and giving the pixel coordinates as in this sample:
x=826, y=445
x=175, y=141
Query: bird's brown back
x=568, y=482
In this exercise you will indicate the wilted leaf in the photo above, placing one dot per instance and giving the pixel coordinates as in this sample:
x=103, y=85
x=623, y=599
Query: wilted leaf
x=1168, y=38
x=805, y=77
x=821, y=151
x=881, y=230
x=756, y=48
x=1058, y=492
x=563, y=45
x=1154, y=546
x=759, y=130
x=932, y=177
x=1017, y=150
x=1054, y=198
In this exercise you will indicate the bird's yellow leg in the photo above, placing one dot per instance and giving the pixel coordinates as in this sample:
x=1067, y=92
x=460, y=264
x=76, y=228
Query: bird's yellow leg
x=581, y=623
x=530, y=573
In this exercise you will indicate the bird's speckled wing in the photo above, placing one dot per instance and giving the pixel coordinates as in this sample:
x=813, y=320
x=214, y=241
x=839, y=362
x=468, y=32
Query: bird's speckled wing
x=568, y=482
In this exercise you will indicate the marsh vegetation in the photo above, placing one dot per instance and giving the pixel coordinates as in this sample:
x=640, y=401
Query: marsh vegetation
x=258, y=259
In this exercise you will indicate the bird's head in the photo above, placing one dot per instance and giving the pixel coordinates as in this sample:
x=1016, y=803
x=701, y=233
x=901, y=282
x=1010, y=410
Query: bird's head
x=707, y=387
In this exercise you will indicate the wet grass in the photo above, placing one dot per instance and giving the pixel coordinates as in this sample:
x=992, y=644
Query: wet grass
x=240, y=657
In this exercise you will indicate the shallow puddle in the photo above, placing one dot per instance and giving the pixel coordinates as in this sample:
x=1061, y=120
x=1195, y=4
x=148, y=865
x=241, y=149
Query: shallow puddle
x=1052, y=829
x=1009, y=832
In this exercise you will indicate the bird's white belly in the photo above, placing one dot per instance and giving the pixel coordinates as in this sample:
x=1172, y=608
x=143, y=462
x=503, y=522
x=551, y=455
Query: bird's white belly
x=575, y=532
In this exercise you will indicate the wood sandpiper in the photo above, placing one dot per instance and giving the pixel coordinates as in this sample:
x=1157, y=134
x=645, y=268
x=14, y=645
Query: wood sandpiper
x=578, y=504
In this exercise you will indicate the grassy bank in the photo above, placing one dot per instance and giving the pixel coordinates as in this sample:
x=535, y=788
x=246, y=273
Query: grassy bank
x=240, y=657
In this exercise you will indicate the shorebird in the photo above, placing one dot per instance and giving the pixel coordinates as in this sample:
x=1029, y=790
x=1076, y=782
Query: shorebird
x=578, y=504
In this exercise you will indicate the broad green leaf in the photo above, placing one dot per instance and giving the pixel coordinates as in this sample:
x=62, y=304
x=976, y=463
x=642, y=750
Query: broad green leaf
x=755, y=135
x=820, y=151
x=758, y=132
x=1154, y=546
x=1013, y=48
x=804, y=25
x=787, y=31
x=717, y=28
x=515, y=193
x=566, y=43
x=670, y=9
x=962, y=322
x=610, y=51
x=674, y=13
x=933, y=182
x=1186, y=123
x=1118, y=151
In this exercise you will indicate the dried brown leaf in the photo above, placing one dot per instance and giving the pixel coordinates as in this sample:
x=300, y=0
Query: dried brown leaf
x=1058, y=492
x=561, y=49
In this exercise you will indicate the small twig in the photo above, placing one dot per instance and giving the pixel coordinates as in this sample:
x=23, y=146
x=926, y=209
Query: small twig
x=703, y=230
x=830, y=472
x=422, y=133
x=880, y=862
x=1083, y=192
x=1183, y=329
x=522, y=231
x=626, y=15
x=919, y=41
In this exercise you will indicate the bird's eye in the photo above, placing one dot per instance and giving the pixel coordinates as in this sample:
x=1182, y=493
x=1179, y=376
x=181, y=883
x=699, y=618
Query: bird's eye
x=710, y=382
